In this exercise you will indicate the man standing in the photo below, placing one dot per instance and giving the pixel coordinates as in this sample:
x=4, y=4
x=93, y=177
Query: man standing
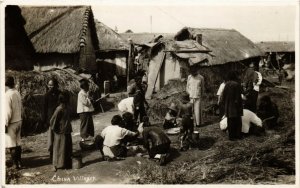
x=249, y=81
x=195, y=89
x=233, y=106
x=13, y=122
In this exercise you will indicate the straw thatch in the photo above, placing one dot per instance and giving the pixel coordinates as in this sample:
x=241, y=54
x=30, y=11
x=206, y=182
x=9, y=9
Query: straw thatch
x=59, y=29
x=227, y=45
x=109, y=40
x=142, y=38
x=18, y=47
x=277, y=46
x=32, y=87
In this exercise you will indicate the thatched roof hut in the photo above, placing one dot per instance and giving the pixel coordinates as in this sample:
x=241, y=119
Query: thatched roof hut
x=277, y=46
x=109, y=40
x=227, y=45
x=18, y=47
x=112, y=56
x=62, y=35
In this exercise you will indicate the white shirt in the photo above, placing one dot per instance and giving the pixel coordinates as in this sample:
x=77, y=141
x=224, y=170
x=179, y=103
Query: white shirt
x=220, y=91
x=113, y=135
x=256, y=85
x=247, y=118
x=83, y=102
x=126, y=105
x=195, y=86
x=13, y=106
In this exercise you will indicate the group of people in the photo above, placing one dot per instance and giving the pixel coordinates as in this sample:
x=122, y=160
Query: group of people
x=237, y=100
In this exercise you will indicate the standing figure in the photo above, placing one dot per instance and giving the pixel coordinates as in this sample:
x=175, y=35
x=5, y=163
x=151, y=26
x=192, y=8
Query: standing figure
x=60, y=124
x=85, y=109
x=195, y=89
x=219, y=94
x=250, y=78
x=186, y=125
x=139, y=101
x=13, y=121
x=233, y=106
x=51, y=102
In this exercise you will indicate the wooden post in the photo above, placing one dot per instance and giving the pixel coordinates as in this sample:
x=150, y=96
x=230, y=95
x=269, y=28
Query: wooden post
x=129, y=62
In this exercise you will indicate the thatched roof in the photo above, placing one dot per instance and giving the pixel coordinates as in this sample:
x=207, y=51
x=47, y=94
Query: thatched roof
x=277, y=46
x=227, y=45
x=109, y=40
x=18, y=47
x=142, y=38
x=58, y=29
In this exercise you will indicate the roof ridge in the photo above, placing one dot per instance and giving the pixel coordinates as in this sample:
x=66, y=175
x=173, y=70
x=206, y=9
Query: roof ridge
x=85, y=23
x=206, y=28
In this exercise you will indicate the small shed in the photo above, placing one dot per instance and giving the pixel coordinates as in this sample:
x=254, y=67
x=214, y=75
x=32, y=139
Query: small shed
x=214, y=51
x=18, y=48
x=62, y=36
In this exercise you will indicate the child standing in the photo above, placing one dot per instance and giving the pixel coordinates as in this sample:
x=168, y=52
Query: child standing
x=187, y=124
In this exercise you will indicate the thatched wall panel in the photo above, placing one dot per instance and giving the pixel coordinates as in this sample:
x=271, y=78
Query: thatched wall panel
x=45, y=62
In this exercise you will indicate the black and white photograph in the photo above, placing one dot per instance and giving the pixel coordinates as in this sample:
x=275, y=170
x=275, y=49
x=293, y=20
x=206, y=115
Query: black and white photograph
x=150, y=92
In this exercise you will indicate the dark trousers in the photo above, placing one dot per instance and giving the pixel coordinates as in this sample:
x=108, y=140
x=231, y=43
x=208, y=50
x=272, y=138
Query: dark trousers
x=234, y=125
x=86, y=125
x=141, y=112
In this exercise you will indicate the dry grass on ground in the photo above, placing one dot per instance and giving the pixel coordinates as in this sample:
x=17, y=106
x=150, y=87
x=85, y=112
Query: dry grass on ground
x=268, y=159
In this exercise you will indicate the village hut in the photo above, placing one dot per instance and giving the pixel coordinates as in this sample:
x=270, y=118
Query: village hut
x=214, y=51
x=112, y=55
x=18, y=48
x=63, y=36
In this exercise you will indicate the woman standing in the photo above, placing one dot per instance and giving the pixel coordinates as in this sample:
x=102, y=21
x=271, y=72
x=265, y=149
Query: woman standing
x=85, y=109
x=60, y=124
x=195, y=88
x=233, y=105
x=51, y=102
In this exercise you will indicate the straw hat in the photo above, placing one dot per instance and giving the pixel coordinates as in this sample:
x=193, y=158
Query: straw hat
x=173, y=107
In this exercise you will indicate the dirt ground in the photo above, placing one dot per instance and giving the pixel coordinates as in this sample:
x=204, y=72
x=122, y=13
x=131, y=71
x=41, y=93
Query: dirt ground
x=38, y=166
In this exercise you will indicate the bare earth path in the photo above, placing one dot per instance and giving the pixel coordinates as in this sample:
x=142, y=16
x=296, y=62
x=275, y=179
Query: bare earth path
x=39, y=168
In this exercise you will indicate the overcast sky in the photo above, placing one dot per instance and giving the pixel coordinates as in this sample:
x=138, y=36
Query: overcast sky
x=258, y=23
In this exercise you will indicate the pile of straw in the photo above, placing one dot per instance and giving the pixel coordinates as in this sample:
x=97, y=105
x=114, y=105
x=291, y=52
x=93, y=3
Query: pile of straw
x=32, y=87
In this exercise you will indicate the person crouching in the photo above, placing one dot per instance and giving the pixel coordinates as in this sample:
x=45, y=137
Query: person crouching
x=156, y=142
x=170, y=118
x=113, y=136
